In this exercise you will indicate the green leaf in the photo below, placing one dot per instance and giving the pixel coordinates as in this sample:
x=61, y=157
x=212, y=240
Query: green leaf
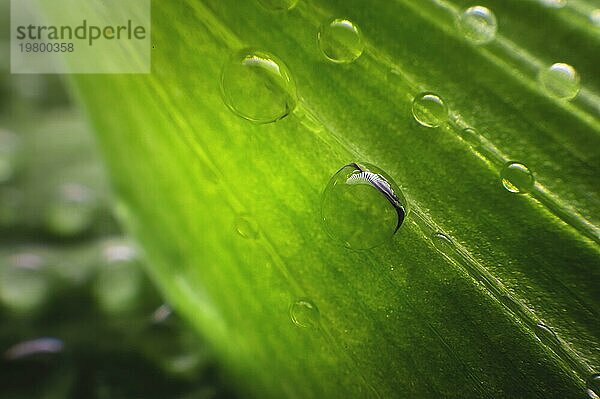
x=481, y=293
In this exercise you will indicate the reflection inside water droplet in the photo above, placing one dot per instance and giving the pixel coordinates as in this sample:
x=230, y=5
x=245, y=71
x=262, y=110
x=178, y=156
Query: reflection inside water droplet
x=340, y=40
x=362, y=207
x=24, y=283
x=478, y=24
x=595, y=17
x=442, y=241
x=258, y=86
x=304, y=313
x=517, y=178
x=560, y=80
x=34, y=347
x=429, y=110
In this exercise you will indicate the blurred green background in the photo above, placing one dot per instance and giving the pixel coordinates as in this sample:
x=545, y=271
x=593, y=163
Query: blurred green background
x=78, y=316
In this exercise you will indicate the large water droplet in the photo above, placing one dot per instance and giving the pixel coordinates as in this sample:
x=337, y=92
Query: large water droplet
x=340, y=40
x=72, y=211
x=517, y=178
x=362, y=207
x=9, y=144
x=593, y=386
x=278, y=5
x=258, y=86
x=246, y=227
x=478, y=24
x=560, y=80
x=429, y=110
x=304, y=313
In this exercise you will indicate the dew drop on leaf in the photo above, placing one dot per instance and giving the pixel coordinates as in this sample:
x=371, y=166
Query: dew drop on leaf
x=304, y=313
x=478, y=24
x=560, y=81
x=429, y=110
x=246, y=227
x=546, y=335
x=278, y=5
x=258, y=86
x=340, y=40
x=517, y=178
x=362, y=207
x=442, y=241
x=72, y=211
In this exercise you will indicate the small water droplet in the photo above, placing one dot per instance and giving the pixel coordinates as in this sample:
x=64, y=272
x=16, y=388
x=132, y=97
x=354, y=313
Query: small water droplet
x=24, y=284
x=10, y=205
x=362, y=207
x=478, y=24
x=560, y=80
x=34, y=347
x=246, y=227
x=595, y=17
x=9, y=144
x=162, y=313
x=546, y=335
x=278, y=5
x=429, y=110
x=118, y=284
x=340, y=40
x=72, y=211
x=258, y=86
x=442, y=241
x=593, y=386
x=554, y=3
x=304, y=313
x=517, y=178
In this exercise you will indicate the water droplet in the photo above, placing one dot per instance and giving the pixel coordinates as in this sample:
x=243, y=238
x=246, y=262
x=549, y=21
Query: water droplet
x=304, y=313
x=546, y=335
x=340, y=40
x=593, y=386
x=72, y=211
x=162, y=313
x=9, y=143
x=442, y=242
x=429, y=110
x=560, y=81
x=554, y=3
x=278, y=5
x=595, y=17
x=24, y=285
x=362, y=207
x=478, y=24
x=246, y=227
x=34, y=347
x=258, y=86
x=119, y=281
x=10, y=205
x=517, y=178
